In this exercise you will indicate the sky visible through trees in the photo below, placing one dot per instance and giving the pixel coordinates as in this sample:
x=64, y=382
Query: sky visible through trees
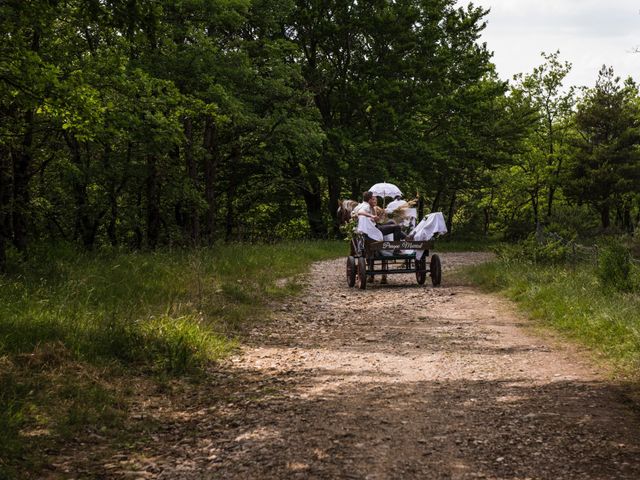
x=589, y=33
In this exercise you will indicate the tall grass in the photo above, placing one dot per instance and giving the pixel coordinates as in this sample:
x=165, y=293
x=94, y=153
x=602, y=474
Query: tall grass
x=449, y=244
x=574, y=301
x=65, y=316
x=163, y=309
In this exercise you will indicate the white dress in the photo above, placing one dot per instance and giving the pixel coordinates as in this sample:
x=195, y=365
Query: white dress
x=365, y=224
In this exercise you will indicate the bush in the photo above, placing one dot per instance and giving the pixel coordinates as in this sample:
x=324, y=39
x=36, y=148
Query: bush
x=574, y=221
x=531, y=251
x=614, y=267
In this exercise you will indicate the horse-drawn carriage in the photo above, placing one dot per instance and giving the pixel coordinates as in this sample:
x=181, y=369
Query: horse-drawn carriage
x=369, y=258
x=373, y=254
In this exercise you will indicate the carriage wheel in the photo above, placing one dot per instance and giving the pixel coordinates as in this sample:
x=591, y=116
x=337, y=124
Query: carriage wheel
x=361, y=278
x=351, y=271
x=421, y=264
x=435, y=269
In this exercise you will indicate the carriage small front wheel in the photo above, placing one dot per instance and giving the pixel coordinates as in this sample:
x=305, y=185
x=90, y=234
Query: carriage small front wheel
x=362, y=273
x=435, y=270
x=351, y=270
x=421, y=270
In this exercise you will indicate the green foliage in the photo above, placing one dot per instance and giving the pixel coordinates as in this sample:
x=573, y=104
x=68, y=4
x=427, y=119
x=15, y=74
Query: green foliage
x=75, y=327
x=182, y=123
x=163, y=123
x=12, y=416
x=169, y=311
x=615, y=267
x=348, y=229
x=574, y=222
x=527, y=187
x=605, y=168
x=449, y=244
x=534, y=252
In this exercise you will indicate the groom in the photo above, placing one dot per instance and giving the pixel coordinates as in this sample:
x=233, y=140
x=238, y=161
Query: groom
x=367, y=209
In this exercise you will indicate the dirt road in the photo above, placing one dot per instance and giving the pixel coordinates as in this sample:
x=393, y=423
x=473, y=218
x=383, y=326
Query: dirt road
x=398, y=381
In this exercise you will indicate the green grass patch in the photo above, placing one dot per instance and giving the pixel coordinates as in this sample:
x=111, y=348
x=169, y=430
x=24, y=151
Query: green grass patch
x=120, y=315
x=142, y=308
x=572, y=300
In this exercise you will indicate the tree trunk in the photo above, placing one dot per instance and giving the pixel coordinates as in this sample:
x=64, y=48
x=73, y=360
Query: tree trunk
x=210, y=174
x=113, y=219
x=550, y=195
x=231, y=194
x=435, y=206
x=420, y=207
x=138, y=236
x=5, y=205
x=604, y=216
x=153, y=202
x=112, y=205
x=487, y=215
x=487, y=221
x=192, y=216
x=628, y=224
x=228, y=233
x=85, y=226
x=313, y=198
x=22, y=161
x=334, y=194
x=452, y=211
x=313, y=201
x=3, y=255
x=554, y=175
x=534, y=207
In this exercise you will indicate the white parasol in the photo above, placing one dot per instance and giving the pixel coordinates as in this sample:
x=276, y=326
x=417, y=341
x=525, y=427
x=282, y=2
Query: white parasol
x=385, y=189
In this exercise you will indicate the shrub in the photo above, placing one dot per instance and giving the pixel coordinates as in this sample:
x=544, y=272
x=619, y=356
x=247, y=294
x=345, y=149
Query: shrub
x=532, y=251
x=614, y=266
x=574, y=221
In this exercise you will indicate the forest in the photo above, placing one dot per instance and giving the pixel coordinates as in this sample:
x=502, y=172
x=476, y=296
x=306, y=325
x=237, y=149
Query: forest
x=170, y=170
x=140, y=124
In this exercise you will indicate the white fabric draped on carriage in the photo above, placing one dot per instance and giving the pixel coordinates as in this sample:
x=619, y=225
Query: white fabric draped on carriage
x=429, y=226
x=368, y=227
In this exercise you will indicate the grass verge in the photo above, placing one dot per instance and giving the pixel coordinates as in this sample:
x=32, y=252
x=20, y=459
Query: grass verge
x=572, y=300
x=447, y=244
x=75, y=329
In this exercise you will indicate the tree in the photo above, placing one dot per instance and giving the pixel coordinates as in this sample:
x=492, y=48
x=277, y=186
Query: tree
x=27, y=73
x=148, y=123
x=390, y=80
x=545, y=161
x=605, y=169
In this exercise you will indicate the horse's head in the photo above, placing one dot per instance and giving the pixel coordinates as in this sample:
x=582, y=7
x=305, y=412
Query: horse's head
x=345, y=208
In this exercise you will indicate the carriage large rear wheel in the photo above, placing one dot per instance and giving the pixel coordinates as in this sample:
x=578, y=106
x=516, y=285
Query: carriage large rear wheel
x=351, y=271
x=421, y=270
x=435, y=270
x=361, y=278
